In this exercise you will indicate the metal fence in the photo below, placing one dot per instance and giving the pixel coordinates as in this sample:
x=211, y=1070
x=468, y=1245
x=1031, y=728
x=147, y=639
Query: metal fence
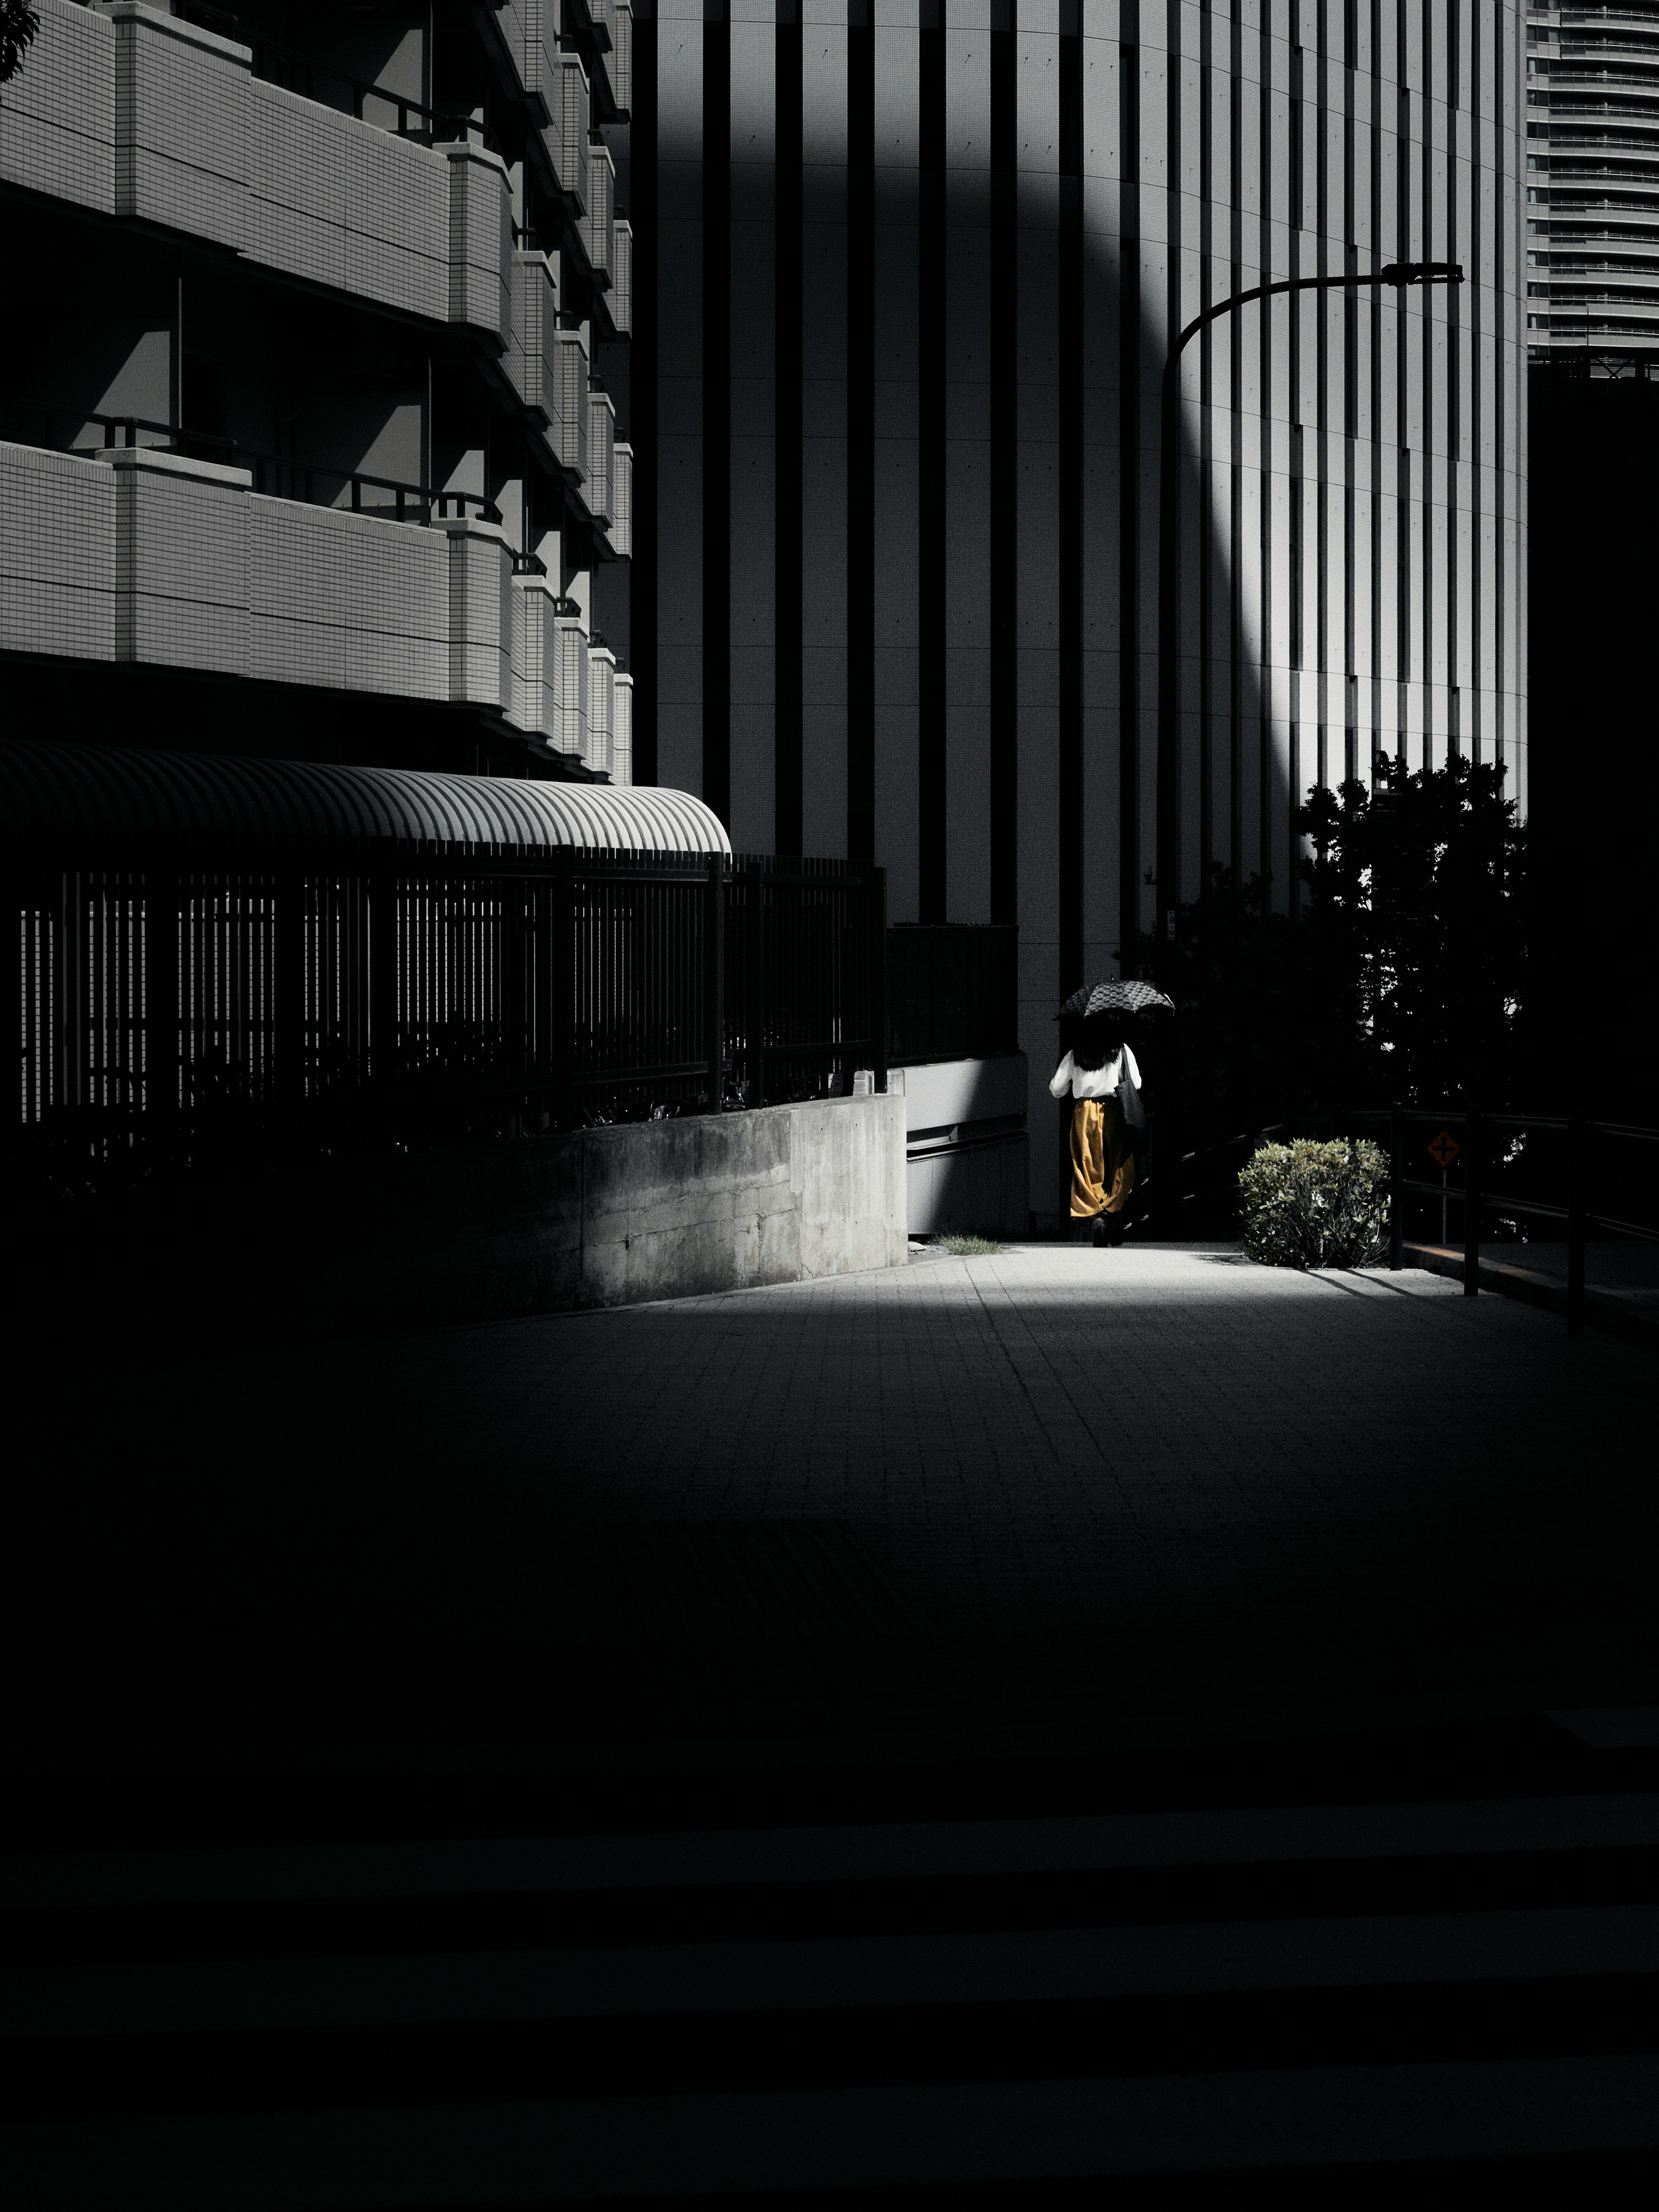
x=1591, y=1168
x=805, y=973
x=325, y=998
x=1458, y=1169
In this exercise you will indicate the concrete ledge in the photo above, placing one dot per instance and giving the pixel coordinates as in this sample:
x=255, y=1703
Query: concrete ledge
x=175, y=26
x=161, y=461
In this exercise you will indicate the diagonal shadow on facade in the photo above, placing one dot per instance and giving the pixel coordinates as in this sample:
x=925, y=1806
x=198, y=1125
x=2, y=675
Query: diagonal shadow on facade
x=904, y=308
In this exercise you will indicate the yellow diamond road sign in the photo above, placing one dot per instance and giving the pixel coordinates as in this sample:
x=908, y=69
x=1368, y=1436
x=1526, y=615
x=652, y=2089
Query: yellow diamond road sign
x=1445, y=1147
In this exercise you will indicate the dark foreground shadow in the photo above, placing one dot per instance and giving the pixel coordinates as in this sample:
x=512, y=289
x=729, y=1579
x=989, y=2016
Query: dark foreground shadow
x=781, y=1518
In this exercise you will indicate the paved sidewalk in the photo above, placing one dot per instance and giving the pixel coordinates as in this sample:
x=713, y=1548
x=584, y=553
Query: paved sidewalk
x=1054, y=1488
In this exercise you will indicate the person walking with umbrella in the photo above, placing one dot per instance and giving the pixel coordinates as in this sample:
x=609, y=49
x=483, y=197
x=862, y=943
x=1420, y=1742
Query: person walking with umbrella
x=1101, y=1073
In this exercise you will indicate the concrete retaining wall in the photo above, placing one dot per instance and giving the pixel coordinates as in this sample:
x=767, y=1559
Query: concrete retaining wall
x=647, y=1210
x=609, y=1217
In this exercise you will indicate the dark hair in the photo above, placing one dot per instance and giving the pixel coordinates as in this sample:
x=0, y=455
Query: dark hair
x=1094, y=1040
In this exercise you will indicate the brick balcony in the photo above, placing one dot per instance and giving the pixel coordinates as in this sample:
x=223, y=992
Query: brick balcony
x=548, y=366
x=144, y=555
x=134, y=113
x=555, y=79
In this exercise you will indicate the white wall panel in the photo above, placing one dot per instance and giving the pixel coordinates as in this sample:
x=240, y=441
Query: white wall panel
x=824, y=428
x=679, y=393
x=895, y=554
x=754, y=491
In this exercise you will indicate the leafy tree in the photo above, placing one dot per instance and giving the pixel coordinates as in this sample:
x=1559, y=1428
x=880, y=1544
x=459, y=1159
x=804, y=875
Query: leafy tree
x=1416, y=894
x=1262, y=1029
x=1400, y=978
x=19, y=22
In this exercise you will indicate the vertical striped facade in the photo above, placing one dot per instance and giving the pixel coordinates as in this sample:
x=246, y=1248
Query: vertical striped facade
x=907, y=274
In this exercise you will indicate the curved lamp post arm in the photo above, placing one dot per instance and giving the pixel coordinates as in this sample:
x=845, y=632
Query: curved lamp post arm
x=1398, y=273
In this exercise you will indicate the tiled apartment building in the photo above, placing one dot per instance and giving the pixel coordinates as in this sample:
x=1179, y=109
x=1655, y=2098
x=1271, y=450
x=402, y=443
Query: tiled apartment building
x=1593, y=187
x=910, y=272
x=313, y=380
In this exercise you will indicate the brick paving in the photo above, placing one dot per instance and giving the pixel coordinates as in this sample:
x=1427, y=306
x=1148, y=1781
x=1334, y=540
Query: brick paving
x=1103, y=1484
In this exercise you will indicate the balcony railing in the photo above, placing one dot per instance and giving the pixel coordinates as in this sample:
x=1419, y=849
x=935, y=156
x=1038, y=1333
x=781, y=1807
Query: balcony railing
x=430, y=126
x=277, y=476
x=299, y=72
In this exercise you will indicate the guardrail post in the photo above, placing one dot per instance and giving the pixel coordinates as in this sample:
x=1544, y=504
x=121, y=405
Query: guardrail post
x=1396, y=1195
x=1577, y=1176
x=1472, y=1201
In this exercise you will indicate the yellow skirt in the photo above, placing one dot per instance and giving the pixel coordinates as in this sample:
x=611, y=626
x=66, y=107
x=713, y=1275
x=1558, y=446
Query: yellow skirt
x=1102, y=1163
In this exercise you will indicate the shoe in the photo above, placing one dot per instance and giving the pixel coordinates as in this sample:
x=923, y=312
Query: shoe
x=1097, y=1234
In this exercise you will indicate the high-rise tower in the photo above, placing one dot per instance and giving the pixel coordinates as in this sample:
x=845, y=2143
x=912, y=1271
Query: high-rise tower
x=1593, y=185
x=910, y=271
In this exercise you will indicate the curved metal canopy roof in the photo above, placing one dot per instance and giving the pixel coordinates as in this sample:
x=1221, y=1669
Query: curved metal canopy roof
x=112, y=790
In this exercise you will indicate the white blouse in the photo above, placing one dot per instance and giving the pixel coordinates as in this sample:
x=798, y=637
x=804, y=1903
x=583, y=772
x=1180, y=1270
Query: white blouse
x=1102, y=1082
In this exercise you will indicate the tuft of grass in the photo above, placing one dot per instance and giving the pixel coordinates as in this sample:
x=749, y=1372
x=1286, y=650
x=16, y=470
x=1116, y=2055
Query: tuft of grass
x=968, y=1248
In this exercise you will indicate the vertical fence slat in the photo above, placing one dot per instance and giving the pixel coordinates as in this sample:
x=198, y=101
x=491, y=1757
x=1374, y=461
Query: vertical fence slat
x=380, y=912
x=162, y=1007
x=713, y=1043
x=561, y=998
x=289, y=1052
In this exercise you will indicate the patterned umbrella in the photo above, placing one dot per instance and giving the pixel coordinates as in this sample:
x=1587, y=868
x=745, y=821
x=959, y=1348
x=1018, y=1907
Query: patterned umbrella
x=1114, y=997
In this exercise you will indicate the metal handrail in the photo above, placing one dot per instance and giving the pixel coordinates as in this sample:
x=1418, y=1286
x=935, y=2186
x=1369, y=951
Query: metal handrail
x=410, y=502
x=222, y=21
x=1621, y=1228
x=1559, y=1123
x=1476, y=1200
x=436, y=125
x=278, y=64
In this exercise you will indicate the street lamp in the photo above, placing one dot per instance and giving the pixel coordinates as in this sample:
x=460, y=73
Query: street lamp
x=1401, y=273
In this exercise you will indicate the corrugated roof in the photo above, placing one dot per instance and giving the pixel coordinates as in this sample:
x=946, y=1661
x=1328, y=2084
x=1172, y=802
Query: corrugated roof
x=112, y=790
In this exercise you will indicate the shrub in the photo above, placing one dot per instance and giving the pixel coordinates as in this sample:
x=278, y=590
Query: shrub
x=1307, y=1205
